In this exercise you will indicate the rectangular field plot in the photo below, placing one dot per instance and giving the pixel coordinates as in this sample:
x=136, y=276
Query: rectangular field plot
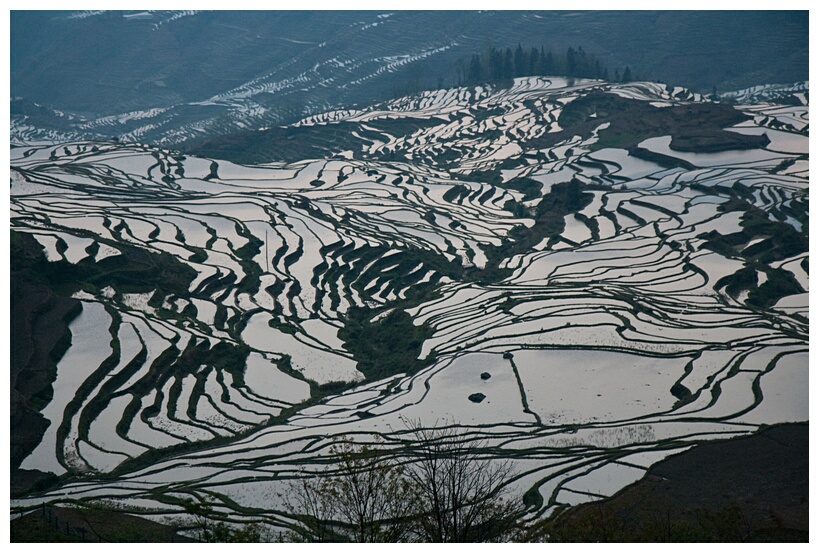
x=581, y=386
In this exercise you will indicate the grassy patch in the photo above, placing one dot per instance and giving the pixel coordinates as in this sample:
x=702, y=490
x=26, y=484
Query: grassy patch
x=291, y=144
x=388, y=346
x=694, y=127
x=562, y=200
x=779, y=241
x=134, y=271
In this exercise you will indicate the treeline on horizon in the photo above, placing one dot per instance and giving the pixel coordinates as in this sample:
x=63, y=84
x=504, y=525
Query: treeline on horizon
x=499, y=65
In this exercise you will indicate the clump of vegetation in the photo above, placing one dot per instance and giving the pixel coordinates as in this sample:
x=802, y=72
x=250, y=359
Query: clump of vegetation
x=220, y=532
x=306, y=142
x=697, y=127
x=500, y=65
x=549, y=216
x=385, y=347
x=778, y=241
x=444, y=492
x=135, y=270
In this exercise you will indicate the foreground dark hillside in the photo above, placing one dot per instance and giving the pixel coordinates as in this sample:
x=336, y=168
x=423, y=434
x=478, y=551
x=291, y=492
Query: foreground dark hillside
x=753, y=488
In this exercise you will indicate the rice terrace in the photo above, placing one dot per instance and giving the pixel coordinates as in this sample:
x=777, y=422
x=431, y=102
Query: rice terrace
x=421, y=289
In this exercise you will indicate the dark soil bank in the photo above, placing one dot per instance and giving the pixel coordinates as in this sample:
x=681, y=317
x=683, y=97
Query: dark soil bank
x=753, y=488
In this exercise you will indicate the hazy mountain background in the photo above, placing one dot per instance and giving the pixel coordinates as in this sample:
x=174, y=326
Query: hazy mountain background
x=168, y=77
